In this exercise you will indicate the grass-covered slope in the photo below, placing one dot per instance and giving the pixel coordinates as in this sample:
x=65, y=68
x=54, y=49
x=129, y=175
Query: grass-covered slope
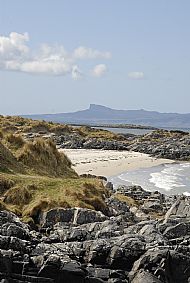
x=39, y=156
x=8, y=162
x=42, y=157
x=35, y=176
x=27, y=195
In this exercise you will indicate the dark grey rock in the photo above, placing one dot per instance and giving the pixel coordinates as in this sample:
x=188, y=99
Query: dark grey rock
x=82, y=245
x=125, y=251
x=145, y=277
x=70, y=215
x=83, y=216
x=177, y=231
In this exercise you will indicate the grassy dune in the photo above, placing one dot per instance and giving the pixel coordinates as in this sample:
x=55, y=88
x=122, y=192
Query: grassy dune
x=34, y=176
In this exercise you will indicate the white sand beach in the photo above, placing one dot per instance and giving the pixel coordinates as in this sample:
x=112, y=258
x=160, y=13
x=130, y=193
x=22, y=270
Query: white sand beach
x=109, y=162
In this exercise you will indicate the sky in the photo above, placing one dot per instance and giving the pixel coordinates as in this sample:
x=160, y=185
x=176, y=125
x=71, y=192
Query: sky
x=61, y=55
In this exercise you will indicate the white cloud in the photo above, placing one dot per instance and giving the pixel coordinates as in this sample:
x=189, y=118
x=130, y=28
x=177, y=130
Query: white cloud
x=99, y=70
x=136, y=75
x=16, y=55
x=14, y=45
x=76, y=73
x=89, y=53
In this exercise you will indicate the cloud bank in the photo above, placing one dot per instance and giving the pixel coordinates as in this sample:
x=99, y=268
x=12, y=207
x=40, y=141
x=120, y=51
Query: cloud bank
x=16, y=55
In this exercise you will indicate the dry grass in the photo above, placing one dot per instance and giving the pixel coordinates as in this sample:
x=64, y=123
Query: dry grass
x=1, y=135
x=101, y=134
x=18, y=195
x=2, y=205
x=39, y=156
x=14, y=142
x=130, y=201
x=5, y=184
x=92, y=197
x=32, y=194
x=38, y=205
x=16, y=124
x=60, y=129
x=19, y=125
x=43, y=158
x=8, y=162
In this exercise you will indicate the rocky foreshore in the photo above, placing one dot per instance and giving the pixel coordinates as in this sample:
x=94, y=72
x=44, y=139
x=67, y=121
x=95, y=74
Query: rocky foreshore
x=161, y=144
x=143, y=238
x=164, y=144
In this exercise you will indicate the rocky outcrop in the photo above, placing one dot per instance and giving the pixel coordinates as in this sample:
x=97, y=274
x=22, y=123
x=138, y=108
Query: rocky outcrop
x=70, y=215
x=85, y=246
x=161, y=143
x=75, y=142
x=164, y=144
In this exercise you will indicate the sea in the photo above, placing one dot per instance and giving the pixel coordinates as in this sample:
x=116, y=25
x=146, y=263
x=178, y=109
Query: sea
x=138, y=132
x=169, y=179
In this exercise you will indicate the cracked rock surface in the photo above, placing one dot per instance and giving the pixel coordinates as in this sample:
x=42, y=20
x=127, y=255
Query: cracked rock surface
x=84, y=246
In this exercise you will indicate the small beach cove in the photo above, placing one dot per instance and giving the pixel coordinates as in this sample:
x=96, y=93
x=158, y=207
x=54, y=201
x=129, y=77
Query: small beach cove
x=133, y=168
x=109, y=163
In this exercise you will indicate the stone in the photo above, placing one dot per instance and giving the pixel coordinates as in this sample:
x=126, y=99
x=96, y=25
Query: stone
x=70, y=215
x=177, y=231
x=181, y=207
x=145, y=277
x=51, y=217
x=125, y=251
x=83, y=216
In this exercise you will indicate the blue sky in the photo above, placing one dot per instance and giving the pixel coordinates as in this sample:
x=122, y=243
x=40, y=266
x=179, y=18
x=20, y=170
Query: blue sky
x=60, y=56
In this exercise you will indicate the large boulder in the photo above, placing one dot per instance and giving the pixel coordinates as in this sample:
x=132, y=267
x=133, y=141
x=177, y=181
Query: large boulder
x=166, y=265
x=145, y=277
x=70, y=215
x=62, y=270
x=177, y=231
x=51, y=217
x=83, y=216
x=152, y=236
x=9, y=217
x=180, y=208
x=125, y=251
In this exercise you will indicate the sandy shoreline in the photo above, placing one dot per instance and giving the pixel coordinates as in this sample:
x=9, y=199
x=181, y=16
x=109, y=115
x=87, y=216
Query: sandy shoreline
x=110, y=162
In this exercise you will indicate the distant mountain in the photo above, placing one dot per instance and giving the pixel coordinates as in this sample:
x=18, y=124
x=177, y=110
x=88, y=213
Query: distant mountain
x=98, y=114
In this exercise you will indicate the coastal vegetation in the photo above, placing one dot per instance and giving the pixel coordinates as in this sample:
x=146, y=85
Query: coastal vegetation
x=35, y=176
x=19, y=125
x=131, y=202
